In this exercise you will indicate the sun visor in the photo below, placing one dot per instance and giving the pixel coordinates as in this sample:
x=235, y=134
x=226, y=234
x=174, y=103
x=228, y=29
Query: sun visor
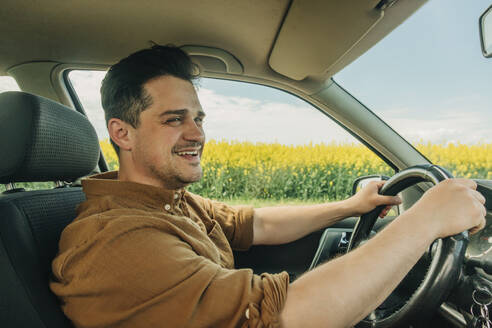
x=317, y=34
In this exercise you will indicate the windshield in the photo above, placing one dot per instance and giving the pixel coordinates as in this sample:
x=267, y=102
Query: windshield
x=429, y=81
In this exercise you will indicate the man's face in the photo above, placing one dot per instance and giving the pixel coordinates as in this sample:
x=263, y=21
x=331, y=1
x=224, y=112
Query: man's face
x=169, y=141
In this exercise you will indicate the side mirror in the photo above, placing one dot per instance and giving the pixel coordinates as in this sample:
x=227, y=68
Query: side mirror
x=485, y=25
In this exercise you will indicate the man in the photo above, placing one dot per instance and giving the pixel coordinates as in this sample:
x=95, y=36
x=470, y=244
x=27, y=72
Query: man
x=143, y=252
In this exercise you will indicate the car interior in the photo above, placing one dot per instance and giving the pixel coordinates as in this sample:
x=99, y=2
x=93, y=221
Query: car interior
x=292, y=45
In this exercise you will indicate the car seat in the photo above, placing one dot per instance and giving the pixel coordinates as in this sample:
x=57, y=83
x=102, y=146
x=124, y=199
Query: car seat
x=40, y=140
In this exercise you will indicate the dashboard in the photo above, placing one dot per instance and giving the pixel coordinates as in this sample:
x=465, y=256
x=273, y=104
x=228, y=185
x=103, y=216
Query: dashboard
x=480, y=245
x=479, y=250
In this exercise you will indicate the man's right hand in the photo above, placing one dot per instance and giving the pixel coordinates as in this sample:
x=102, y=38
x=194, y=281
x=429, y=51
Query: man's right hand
x=343, y=291
x=451, y=207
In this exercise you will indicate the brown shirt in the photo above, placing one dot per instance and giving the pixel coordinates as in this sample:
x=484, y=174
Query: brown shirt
x=142, y=256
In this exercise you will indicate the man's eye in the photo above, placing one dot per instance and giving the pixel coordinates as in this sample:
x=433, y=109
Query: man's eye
x=199, y=120
x=173, y=121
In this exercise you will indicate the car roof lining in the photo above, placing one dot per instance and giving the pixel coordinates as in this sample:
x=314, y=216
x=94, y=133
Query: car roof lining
x=253, y=32
x=100, y=33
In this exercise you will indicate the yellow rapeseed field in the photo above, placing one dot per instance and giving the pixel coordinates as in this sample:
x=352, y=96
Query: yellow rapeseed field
x=464, y=161
x=316, y=171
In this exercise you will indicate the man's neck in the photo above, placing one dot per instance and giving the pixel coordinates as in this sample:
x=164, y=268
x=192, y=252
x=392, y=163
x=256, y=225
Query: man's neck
x=132, y=174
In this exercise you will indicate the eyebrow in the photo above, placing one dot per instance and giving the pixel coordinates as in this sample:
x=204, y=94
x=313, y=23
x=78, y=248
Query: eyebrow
x=180, y=112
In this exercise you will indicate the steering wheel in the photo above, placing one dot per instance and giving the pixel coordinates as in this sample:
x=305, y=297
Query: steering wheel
x=430, y=281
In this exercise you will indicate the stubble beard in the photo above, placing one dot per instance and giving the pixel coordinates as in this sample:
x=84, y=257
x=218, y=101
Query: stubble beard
x=170, y=176
x=175, y=180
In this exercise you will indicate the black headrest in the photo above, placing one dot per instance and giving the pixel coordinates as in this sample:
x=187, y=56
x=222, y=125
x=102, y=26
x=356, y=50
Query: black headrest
x=41, y=140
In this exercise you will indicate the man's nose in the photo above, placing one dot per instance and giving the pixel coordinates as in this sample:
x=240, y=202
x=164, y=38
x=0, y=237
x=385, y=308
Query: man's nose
x=194, y=131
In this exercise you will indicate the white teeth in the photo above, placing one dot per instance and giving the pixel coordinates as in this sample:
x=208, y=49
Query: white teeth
x=193, y=153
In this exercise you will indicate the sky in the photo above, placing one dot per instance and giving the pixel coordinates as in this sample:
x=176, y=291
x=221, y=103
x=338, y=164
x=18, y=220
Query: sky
x=427, y=79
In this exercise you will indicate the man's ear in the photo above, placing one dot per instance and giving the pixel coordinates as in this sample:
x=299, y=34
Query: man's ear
x=120, y=134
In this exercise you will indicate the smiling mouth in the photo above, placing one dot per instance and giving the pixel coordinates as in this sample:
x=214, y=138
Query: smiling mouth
x=190, y=155
x=190, y=152
x=187, y=153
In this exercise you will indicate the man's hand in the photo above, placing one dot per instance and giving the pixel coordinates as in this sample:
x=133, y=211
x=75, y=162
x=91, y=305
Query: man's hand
x=341, y=292
x=451, y=207
x=368, y=198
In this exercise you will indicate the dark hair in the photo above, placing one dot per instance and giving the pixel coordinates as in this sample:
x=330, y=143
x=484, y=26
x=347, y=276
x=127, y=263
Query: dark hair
x=122, y=93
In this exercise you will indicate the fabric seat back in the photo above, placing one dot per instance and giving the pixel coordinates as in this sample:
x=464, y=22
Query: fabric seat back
x=40, y=140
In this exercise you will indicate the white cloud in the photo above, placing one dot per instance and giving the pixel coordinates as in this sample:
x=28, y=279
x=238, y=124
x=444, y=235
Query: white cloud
x=444, y=127
x=245, y=119
x=253, y=120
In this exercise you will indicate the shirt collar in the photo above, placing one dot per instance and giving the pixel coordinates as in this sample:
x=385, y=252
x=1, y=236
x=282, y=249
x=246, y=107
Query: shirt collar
x=107, y=184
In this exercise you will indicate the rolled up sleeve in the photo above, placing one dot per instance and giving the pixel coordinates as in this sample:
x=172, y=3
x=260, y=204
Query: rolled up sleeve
x=266, y=313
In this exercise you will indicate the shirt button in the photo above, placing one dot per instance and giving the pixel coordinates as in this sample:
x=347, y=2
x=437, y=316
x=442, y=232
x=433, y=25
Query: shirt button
x=167, y=207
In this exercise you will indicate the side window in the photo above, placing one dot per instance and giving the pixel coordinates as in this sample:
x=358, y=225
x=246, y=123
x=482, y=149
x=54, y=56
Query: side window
x=8, y=83
x=264, y=146
x=87, y=85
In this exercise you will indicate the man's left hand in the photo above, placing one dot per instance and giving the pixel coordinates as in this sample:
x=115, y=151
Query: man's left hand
x=368, y=198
